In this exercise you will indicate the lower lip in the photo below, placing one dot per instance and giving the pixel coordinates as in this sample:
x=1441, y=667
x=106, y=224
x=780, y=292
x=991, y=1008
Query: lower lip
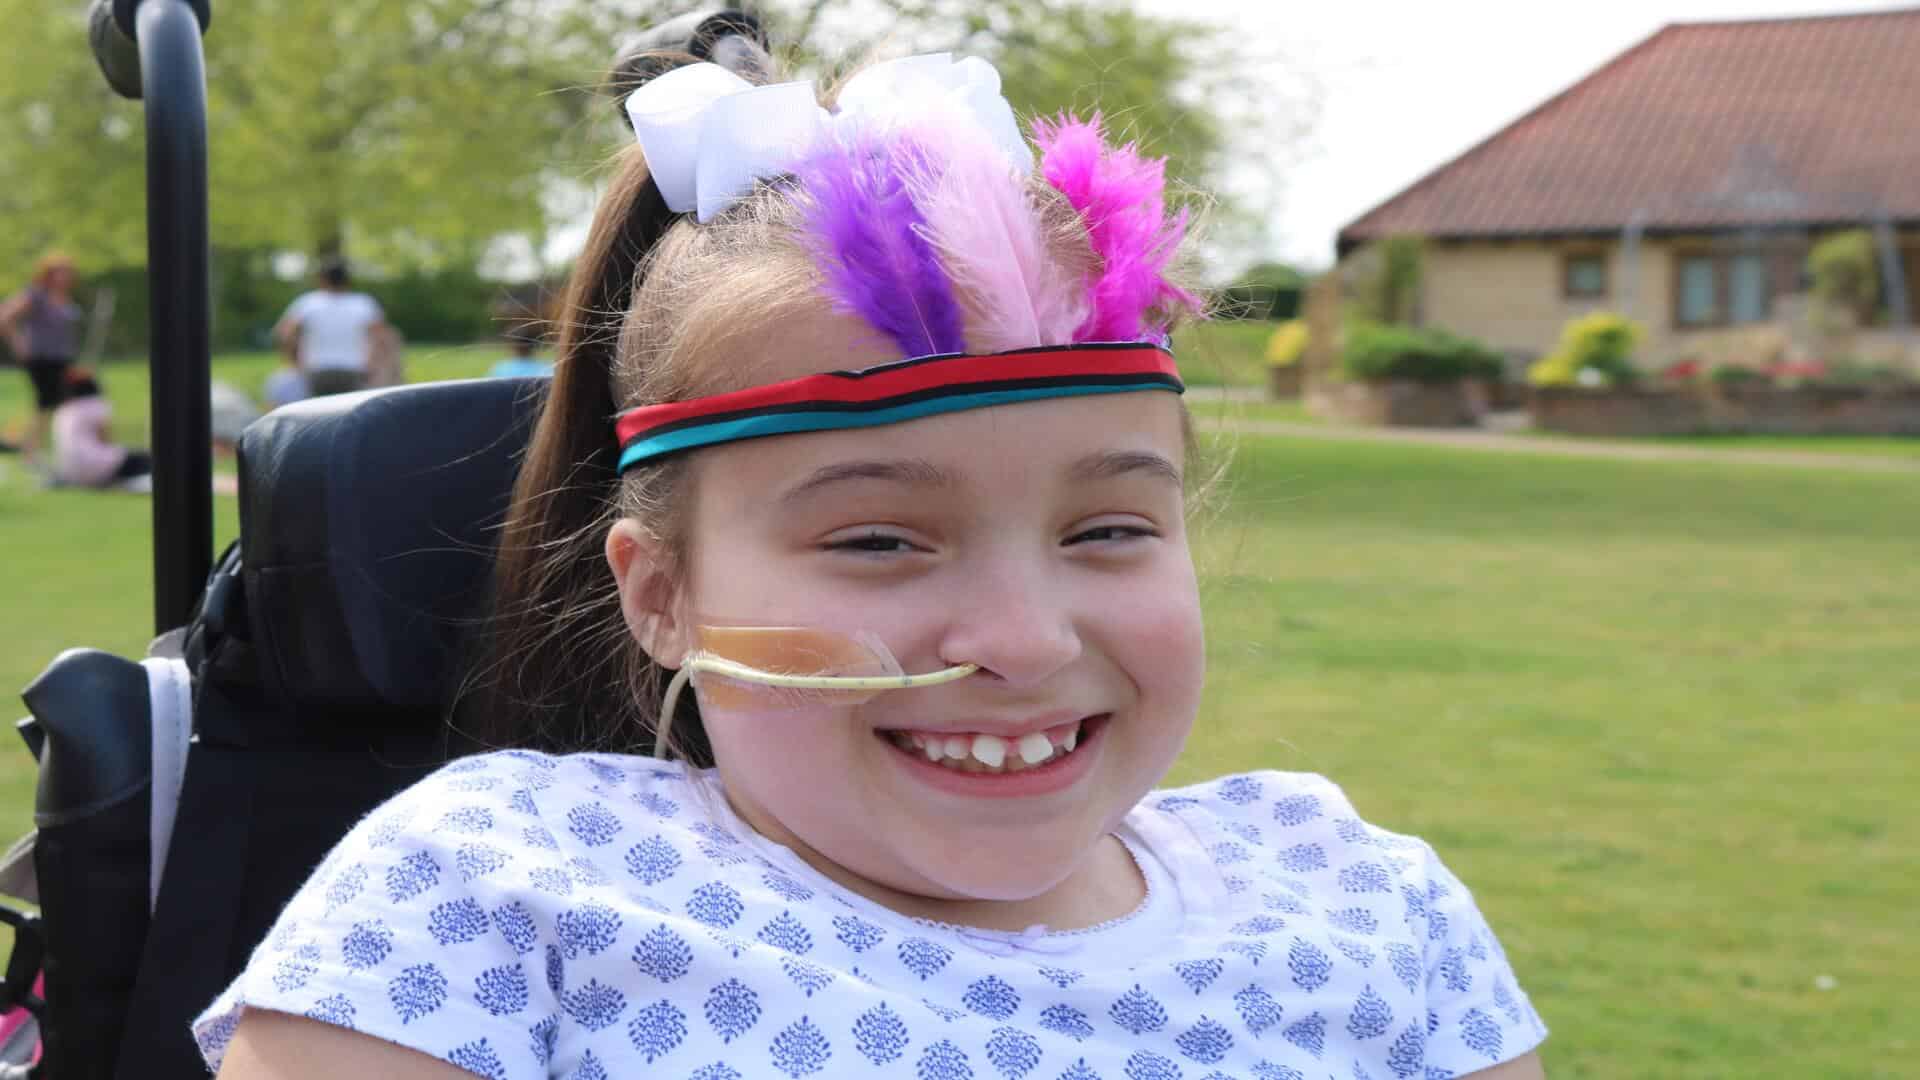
x=1056, y=775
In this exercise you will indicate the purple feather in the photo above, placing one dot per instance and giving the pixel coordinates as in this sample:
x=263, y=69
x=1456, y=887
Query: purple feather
x=870, y=240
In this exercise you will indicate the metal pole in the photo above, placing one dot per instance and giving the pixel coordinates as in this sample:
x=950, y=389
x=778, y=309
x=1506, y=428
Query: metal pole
x=173, y=82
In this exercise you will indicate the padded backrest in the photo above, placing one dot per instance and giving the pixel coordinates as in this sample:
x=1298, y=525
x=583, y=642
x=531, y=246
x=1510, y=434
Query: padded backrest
x=323, y=655
x=368, y=523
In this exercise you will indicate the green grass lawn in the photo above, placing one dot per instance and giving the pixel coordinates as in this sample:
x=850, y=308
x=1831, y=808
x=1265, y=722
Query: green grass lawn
x=1889, y=446
x=1662, y=717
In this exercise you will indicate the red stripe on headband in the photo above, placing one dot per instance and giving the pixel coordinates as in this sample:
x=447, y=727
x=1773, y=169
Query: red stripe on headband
x=907, y=376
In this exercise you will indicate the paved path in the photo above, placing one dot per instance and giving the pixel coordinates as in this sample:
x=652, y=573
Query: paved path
x=1517, y=443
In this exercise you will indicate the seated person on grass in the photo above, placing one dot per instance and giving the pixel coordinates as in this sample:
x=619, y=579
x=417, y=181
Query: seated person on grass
x=84, y=453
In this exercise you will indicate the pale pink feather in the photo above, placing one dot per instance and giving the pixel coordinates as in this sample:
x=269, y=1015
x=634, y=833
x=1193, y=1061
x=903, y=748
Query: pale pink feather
x=988, y=232
x=1121, y=197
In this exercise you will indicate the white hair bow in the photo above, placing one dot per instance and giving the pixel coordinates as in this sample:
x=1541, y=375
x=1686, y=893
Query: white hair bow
x=709, y=134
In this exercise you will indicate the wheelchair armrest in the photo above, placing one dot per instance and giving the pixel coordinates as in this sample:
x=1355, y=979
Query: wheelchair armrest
x=92, y=855
x=92, y=712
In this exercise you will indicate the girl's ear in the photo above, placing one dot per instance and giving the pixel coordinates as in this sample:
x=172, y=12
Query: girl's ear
x=641, y=572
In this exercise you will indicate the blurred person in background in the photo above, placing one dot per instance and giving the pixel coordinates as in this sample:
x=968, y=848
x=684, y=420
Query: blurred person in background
x=334, y=335
x=84, y=453
x=286, y=385
x=230, y=411
x=41, y=324
x=521, y=363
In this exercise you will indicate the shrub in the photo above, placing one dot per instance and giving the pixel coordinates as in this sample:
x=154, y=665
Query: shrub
x=1287, y=344
x=1735, y=375
x=1846, y=275
x=1601, y=344
x=1375, y=351
x=452, y=305
x=1273, y=291
x=449, y=306
x=1857, y=372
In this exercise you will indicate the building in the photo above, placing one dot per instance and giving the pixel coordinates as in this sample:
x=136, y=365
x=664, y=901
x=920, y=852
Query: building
x=1683, y=184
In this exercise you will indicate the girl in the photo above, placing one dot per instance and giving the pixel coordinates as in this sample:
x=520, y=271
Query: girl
x=894, y=411
x=84, y=453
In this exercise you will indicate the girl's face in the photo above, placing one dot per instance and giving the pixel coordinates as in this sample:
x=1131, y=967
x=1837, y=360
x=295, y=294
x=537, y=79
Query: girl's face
x=1042, y=541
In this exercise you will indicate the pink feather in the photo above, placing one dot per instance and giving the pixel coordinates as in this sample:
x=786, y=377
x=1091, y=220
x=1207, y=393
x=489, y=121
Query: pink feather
x=1121, y=197
x=988, y=233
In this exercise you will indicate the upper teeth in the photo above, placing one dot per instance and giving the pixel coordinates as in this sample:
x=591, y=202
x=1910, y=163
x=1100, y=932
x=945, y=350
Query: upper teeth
x=1034, y=748
x=987, y=751
x=990, y=750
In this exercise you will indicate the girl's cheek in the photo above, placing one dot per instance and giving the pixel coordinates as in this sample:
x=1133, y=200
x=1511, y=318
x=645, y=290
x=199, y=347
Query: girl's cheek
x=773, y=752
x=1163, y=644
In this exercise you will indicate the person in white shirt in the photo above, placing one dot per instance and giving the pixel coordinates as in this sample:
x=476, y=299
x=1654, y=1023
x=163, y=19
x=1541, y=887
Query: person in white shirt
x=334, y=334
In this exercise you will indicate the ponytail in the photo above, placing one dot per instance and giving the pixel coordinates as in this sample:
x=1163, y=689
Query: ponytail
x=556, y=668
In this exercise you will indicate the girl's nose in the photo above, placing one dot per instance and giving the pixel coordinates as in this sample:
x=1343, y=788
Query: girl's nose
x=1015, y=627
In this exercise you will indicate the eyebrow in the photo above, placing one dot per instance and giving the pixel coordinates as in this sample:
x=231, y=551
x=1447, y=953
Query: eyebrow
x=908, y=472
x=1114, y=463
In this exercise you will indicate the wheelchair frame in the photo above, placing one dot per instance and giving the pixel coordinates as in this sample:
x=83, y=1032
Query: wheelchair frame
x=113, y=761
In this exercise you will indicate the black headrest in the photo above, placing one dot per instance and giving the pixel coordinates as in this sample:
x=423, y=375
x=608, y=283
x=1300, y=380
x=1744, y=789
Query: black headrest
x=367, y=528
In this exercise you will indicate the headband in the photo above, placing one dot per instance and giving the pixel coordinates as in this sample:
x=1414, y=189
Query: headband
x=892, y=393
x=914, y=195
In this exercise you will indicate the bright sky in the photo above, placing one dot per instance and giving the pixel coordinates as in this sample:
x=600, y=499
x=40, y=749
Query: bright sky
x=1407, y=86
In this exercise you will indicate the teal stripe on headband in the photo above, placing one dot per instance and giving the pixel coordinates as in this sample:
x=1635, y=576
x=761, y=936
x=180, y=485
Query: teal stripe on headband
x=794, y=423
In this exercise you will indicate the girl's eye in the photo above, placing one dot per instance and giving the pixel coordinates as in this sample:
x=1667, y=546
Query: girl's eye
x=1111, y=533
x=871, y=544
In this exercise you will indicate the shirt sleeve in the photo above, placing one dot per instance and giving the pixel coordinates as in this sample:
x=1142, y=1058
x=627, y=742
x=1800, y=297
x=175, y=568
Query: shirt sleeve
x=408, y=932
x=297, y=310
x=1477, y=1015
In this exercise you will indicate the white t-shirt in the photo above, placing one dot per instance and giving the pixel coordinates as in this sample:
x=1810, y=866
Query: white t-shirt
x=599, y=916
x=333, y=328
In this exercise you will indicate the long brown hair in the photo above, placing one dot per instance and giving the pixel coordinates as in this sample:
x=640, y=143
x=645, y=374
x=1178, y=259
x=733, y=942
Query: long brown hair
x=540, y=681
x=650, y=298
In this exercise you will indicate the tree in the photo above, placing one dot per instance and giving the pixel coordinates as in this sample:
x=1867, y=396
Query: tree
x=412, y=132
x=1184, y=88
x=1386, y=279
x=71, y=156
x=416, y=133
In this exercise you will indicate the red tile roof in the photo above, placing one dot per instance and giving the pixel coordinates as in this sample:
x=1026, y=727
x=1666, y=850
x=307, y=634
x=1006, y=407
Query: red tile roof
x=1702, y=126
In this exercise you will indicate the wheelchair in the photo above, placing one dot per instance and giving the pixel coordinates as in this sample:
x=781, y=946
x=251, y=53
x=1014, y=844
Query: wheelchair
x=297, y=682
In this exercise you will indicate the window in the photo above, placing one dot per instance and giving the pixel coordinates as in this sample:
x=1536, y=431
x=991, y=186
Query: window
x=1748, y=293
x=1585, y=276
x=1723, y=289
x=1699, y=300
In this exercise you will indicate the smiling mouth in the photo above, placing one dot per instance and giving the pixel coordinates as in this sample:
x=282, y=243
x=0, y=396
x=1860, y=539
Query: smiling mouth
x=986, y=754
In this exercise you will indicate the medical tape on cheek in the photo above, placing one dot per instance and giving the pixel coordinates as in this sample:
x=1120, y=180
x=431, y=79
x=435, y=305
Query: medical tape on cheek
x=760, y=667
